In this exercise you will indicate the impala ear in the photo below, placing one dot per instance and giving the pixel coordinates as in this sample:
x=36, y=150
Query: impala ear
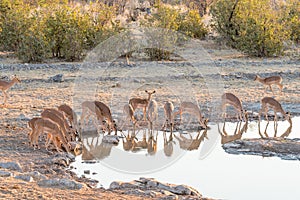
x=146, y=91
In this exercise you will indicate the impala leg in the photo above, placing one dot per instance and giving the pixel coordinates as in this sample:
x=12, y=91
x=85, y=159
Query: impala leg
x=259, y=125
x=275, y=125
x=280, y=87
x=5, y=97
x=144, y=112
x=265, y=132
x=224, y=131
x=48, y=140
x=171, y=132
x=266, y=88
x=271, y=89
x=238, y=127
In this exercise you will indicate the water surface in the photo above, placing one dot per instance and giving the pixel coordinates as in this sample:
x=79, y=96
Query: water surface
x=209, y=169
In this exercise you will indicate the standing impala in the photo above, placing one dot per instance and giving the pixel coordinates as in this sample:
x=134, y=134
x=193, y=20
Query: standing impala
x=152, y=113
x=4, y=86
x=141, y=103
x=229, y=99
x=269, y=81
x=168, y=110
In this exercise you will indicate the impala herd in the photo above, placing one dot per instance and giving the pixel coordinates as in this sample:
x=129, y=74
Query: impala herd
x=61, y=126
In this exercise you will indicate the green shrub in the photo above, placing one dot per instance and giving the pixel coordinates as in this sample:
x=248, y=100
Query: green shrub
x=33, y=46
x=168, y=20
x=254, y=27
x=293, y=19
x=192, y=25
x=35, y=29
x=13, y=23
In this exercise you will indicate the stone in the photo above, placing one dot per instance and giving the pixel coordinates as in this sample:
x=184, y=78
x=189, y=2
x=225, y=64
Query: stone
x=24, y=178
x=152, y=184
x=11, y=165
x=284, y=148
x=86, y=172
x=60, y=183
x=169, y=197
x=112, y=139
x=137, y=192
x=151, y=193
x=22, y=117
x=57, y=78
x=63, y=159
x=5, y=174
x=115, y=185
x=37, y=175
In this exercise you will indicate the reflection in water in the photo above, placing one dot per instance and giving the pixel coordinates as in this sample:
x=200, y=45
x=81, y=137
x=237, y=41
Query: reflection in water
x=147, y=140
x=94, y=148
x=168, y=144
x=191, y=143
x=285, y=134
x=208, y=169
x=238, y=132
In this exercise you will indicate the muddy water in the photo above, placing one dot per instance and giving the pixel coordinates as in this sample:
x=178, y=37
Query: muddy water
x=203, y=165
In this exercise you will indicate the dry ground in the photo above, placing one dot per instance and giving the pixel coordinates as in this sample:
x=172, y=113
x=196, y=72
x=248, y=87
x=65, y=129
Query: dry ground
x=35, y=93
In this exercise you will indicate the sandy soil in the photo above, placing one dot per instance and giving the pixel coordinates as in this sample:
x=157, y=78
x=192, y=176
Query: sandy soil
x=35, y=93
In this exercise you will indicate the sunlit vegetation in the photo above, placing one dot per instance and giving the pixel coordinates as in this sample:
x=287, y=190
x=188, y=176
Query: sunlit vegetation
x=37, y=30
x=257, y=27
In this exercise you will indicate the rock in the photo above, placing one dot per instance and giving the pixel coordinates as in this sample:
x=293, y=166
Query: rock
x=152, y=184
x=63, y=159
x=136, y=192
x=112, y=139
x=24, y=178
x=36, y=175
x=115, y=185
x=57, y=78
x=123, y=185
x=151, y=193
x=153, y=188
x=284, y=148
x=11, y=165
x=60, y=183
x=186, y=190
x=5, y=174
x=86, y=172
x=170, y=197
x=76, y=147
x=22, y=117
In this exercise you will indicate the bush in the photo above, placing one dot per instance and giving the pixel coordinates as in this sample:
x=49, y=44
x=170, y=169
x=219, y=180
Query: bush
x=33, y=46
x=254, y=27
x=36, y=29
x=293, y=19
x=169, y=19
x=11, y=27
x=192, y=25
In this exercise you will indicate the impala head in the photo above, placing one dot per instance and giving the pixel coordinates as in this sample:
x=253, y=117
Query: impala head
x=244, y=114
x=256, y=77
x=150, y=93
x=16, y=79
x=288, y=116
